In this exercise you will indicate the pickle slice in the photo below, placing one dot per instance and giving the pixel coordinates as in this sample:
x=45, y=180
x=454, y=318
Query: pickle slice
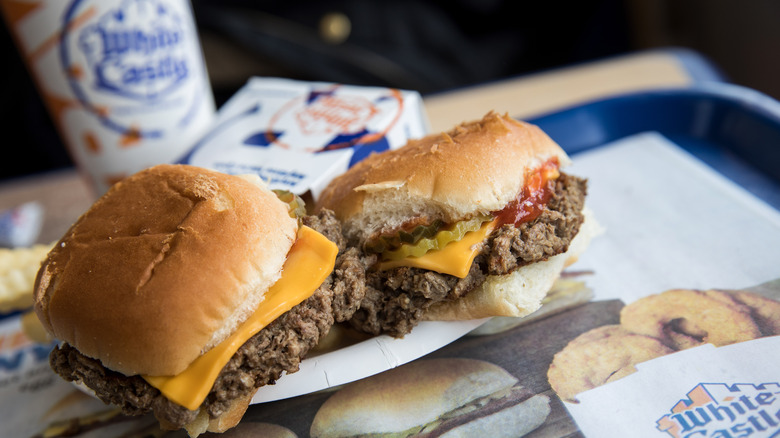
x=295, y=205
x=419, y=232
x=389, y=242
x=452, y=233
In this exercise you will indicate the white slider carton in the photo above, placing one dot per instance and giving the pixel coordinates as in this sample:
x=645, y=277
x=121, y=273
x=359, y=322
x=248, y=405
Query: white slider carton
x=298, y=135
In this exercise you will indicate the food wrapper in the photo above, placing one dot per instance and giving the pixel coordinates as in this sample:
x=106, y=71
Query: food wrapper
x=689, y=261
x=298, y=135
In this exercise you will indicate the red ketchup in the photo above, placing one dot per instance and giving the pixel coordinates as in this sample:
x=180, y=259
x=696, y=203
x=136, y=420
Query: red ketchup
x=533, y=197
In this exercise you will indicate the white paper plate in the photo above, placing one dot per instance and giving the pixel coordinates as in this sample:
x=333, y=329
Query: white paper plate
x=359, y=360
x=364, y=359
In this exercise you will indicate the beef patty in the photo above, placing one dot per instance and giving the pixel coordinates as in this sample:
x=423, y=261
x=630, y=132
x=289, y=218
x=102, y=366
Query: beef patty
x=277, y=348
x=396, y=299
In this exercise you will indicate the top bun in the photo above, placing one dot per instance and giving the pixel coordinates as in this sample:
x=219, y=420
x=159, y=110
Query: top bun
x=163, y=267
x=476, y=168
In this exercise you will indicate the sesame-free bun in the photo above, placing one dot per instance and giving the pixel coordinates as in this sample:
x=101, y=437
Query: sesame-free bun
x=163, y=267
x=476, y=168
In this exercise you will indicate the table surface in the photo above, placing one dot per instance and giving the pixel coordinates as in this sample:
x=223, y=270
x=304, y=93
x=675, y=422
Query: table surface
x=65, y=195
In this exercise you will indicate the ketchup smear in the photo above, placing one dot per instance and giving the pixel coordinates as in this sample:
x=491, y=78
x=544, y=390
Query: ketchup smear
x=531, y=200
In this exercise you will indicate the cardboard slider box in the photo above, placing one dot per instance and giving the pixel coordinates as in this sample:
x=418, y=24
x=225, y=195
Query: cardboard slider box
x=298, y=135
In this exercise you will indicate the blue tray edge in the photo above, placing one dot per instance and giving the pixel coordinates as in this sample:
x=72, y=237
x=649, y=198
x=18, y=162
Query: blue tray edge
x=733, y=129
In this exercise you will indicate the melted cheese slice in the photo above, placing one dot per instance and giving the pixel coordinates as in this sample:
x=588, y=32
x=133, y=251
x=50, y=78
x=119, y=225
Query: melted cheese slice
x=310, y=261
x=454, y=259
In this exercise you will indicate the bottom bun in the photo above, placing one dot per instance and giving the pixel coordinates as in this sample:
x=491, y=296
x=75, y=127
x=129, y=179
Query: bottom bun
x=519, y=293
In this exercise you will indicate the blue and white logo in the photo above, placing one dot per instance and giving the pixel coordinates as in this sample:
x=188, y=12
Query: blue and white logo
x=136, y=50
x=135, y=64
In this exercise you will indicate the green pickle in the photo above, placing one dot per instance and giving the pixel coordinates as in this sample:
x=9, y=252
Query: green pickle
x=295, y=205
x=384, y=243
x=419, y=232
x=443, y=237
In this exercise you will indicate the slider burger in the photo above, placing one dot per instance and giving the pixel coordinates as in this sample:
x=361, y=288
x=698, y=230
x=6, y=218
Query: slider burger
x=471, y=223
x=181, y=291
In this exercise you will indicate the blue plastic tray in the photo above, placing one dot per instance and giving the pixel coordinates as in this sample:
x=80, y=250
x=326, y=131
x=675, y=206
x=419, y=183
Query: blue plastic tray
x=733, y=129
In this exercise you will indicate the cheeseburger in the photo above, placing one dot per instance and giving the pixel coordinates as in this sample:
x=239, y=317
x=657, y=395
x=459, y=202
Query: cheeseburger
x=471, y=223
x=181, y=291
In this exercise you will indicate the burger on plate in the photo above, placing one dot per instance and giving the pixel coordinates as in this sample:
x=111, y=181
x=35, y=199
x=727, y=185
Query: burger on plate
x=475, y=222
x=181, y=291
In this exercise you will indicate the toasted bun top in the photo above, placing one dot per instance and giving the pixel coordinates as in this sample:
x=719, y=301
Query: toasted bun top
x=408, y=396
x=163, y=267
x=476, y=168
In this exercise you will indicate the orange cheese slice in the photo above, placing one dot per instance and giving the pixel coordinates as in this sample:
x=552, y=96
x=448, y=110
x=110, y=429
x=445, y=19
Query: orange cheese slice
x=454, y=259
x=310, y=261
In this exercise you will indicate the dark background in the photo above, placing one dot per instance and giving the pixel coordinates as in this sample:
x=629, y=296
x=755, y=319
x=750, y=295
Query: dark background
x=429, y=46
